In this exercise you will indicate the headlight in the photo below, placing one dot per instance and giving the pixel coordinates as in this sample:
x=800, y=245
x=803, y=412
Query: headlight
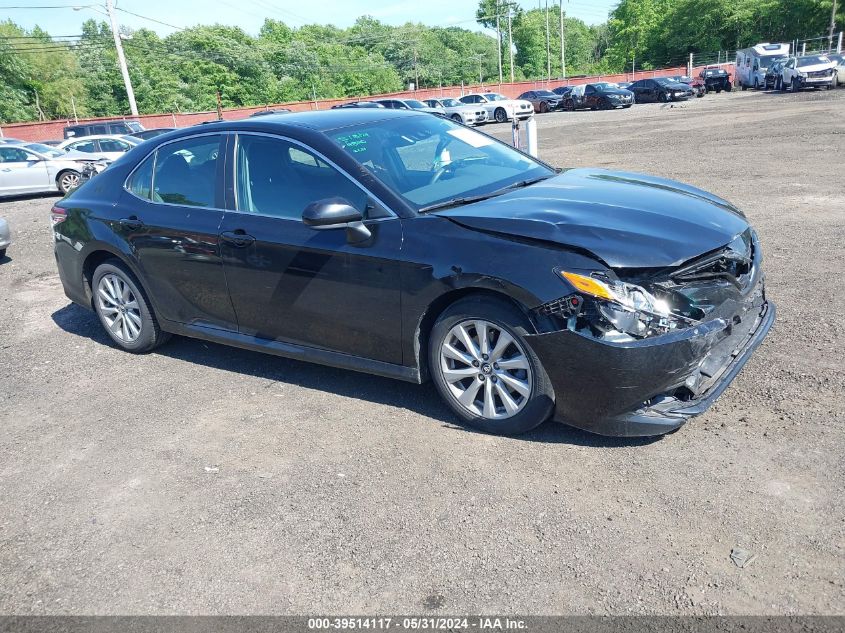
x=625, y=307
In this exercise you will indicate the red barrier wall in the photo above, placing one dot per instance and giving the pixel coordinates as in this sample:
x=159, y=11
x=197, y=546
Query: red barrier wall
x=47, y=130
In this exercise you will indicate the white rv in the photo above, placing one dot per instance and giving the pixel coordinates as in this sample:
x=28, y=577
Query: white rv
x=752, y=63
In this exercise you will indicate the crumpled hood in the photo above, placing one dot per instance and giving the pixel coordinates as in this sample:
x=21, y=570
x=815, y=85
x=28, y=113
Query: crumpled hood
x=627, y=220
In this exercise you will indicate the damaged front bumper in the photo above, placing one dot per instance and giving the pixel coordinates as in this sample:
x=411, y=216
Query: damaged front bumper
x=654, y=385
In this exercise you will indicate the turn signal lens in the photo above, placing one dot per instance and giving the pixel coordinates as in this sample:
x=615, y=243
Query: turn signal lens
x=588, y=285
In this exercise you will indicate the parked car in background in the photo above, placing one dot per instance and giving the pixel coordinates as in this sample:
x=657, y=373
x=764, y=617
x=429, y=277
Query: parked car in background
x=36, y=168
x=660, y=89
x=562, y=91
x=498, y=107
x=268, y=112
x=357, y=104
x=809, y=71
x=409, y=104
x=717, y=79
x=148, y=134
x=107, y=146
x=12, y=141
x=771, y=80
x=624, y=84
x=839, y=77
x=405, y=245
x=5, y=237
x=697, y=85
x=102, y=127
x=604, y=95
x=542, y=100
x=457, y=111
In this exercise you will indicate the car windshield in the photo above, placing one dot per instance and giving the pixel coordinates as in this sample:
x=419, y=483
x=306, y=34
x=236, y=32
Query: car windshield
x=682, y=78
x=451, y=103
x=415, y=104
x=665, y=81
x=492, y=96
x=714, y=73
x=544, y=93
x=135, y=126
x=768, y=60
x=432, y=161
x=813, y=60
x=48, y=151
x=605, y=85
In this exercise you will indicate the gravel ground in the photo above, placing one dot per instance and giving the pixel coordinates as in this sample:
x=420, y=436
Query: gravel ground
x=205, y=479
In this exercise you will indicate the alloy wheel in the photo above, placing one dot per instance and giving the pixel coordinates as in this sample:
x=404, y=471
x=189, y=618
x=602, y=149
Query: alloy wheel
x=68, y=181
x=119, y=308
x=486, y=369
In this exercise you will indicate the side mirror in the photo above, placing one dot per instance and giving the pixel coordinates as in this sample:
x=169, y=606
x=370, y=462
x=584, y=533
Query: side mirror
x=336, y=213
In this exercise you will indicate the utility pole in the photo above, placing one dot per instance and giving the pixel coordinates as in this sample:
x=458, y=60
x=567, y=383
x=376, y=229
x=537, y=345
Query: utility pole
x=548, y=47
x=416, y=72
x=510, y=39
x=562, y=44
x=130, y=94
x=832, y=26
x=499, y=40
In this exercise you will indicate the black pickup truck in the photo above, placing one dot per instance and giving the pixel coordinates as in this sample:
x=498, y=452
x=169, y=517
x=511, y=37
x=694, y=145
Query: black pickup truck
x=715, y=79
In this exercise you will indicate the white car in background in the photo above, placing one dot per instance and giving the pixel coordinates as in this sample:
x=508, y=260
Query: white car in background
x=809, y=71
x=839, y=79
x=111, y=146
x=499, y=108
x=460, y=112
x=35, y=168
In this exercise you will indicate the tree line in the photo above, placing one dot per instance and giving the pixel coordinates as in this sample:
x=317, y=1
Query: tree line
x=44, y=77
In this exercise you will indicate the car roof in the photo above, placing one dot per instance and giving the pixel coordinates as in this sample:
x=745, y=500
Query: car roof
x=317, y=120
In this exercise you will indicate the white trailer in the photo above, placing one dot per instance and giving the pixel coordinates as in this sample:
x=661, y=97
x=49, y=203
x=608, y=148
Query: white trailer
x=752, y=63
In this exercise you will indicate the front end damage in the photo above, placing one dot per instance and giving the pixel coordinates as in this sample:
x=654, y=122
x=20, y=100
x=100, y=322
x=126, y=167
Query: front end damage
x=639, y=352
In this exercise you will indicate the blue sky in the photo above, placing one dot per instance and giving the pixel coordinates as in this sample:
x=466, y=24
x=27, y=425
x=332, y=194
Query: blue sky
x=249, y=14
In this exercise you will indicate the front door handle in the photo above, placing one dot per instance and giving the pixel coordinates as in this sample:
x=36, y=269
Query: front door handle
x=237, y=238
x=7, y=169
x=132, y=223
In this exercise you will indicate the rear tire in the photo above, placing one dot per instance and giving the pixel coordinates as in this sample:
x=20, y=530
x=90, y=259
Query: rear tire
x=489, y=397
x=124, y=310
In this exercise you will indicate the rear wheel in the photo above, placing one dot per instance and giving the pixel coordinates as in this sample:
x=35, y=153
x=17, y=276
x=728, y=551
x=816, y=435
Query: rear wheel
x=484, y=369
x=68, y=180
x=124, y=310
x=500, y=115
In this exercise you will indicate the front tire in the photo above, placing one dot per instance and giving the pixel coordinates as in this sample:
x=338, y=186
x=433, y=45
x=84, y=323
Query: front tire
x=500, y=115
x=663, y=97
x=124, y=310
x=68, y=180
x=457, y=118
x=484, y=369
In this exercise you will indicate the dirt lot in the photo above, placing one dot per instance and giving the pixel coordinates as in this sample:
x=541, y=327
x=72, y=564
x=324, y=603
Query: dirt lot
x=203, y=479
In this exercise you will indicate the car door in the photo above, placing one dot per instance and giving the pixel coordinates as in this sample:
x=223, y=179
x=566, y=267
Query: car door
x=291, y=283
x=170, y=216
x=590, y=96
x=22, y=172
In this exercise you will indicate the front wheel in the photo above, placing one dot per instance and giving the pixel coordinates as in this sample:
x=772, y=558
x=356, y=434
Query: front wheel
x=485, y=370
x=457, y=118
x=727, y=88
x=500, y=115
x=544, y=107
x=68, y=180
x=795, y=85
x=124, y=310
x=663, y=97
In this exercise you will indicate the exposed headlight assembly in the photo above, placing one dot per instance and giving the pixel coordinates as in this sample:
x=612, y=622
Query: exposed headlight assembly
x=625, y=307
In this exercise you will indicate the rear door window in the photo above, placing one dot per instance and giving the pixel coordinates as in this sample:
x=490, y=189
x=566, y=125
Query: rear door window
x=113, y=145
x=141, y=180
x=186, y=172
x=89, y=147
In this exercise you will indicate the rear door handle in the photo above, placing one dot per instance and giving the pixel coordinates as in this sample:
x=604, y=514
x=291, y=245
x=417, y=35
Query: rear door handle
x=131, y=222
x=237, y=238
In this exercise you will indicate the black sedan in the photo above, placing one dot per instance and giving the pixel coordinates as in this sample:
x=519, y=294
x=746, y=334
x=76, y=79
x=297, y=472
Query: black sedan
x=660, y=89
x=400, y=244
x=542, y=100
x=598, y=96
